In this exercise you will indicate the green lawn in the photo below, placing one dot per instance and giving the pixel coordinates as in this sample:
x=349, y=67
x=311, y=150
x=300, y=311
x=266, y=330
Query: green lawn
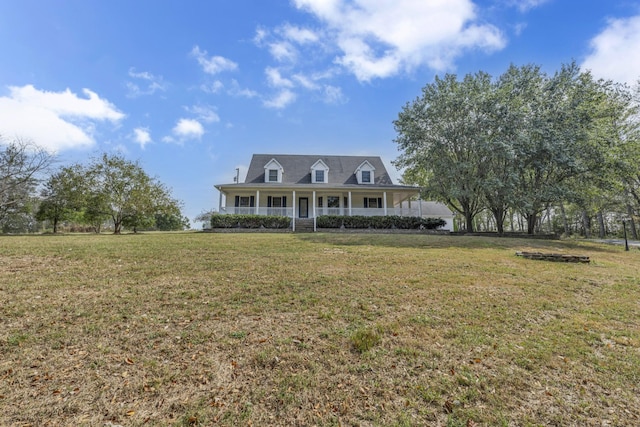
x=315, y=329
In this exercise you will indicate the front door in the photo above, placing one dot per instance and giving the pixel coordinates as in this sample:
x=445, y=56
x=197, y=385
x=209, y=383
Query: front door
x=303, y=207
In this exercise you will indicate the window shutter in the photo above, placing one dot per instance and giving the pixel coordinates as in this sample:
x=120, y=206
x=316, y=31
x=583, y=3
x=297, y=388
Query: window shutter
x=252, y=201
x=237, y=201
x=366, y=202
x=284, y=201
x=269, y=201
x=379, y=202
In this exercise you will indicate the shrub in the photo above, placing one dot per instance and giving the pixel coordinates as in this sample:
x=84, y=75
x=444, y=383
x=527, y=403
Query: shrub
x=249, y=221
x=379, y=222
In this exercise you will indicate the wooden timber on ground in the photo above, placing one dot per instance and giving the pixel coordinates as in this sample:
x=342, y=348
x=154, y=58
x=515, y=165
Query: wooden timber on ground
x=554, y=257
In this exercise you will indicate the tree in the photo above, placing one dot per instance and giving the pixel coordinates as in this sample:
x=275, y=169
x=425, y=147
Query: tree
x=21, y=165
x=441, y=134
x=123, y=191
x=553, y=145
x=63, y=196
x=205, y=217
x=626, y=157
x=171, y=222
x=526, y=143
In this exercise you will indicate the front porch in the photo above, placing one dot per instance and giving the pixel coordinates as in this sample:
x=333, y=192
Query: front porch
x=312, y=203
x=289, y=212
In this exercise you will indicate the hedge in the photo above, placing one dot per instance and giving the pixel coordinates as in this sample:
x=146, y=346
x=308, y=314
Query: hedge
x=250, y=221
x=379, y=222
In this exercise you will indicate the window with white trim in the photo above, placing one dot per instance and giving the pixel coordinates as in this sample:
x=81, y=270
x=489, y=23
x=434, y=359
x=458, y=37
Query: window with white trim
x=372, y=202
x=365, y=173
x=273, y=175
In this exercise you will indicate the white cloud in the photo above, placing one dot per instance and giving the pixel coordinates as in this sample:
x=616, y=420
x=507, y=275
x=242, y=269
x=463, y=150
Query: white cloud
x=261, y=34
x=333, y=95
x=526, y=5
x=284, y=42
x=379, y=39
x=205, y=113
x=236, y=90
x=305, y=81
x=54, y=120
x=214, y=64
x=214, y=87
x=275, y=79
x=519, y=28
x=614, y=52
x=280, y=100
x=299, y=35
x=152, y=84
x=142, y=136
x=188, y=129
x=283, y=51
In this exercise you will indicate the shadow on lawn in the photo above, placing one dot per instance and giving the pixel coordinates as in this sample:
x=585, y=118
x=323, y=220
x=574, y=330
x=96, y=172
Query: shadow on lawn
x=431, y=241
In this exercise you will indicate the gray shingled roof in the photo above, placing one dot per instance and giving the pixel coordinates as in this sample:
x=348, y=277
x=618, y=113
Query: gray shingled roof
x=297, y=168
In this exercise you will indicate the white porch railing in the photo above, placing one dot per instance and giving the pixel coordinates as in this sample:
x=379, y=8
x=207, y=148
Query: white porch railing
x=288, y=212
x=257, y=211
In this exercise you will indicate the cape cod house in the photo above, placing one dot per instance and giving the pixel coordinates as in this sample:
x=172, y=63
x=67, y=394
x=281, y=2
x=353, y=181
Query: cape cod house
x=304, y=187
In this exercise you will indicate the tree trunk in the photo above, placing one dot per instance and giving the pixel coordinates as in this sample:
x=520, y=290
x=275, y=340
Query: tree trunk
x=532, y=219
x=468, y=219
x=601, y=229
x=586, y=224
x=499, y=216
x=565, y=222
x=55, y=225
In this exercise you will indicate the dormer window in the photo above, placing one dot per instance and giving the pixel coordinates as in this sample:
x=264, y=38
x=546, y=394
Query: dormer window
x=319, y=173
x=365, y=173
x=273, y=172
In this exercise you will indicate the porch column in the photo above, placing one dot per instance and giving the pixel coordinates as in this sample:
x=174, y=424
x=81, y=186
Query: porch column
x=349, y=203
x=257, y=202
x=314, y=211
x=384, y=202
x=420, y=206
x=293, y=214
x=220, y=202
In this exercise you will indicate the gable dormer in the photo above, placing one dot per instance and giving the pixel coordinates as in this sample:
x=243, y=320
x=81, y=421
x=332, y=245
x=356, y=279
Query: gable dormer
x=319, y=173
x=273, y=172
x=365, y=173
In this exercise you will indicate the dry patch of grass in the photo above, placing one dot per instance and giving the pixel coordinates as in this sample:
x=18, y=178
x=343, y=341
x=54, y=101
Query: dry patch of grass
x=321, y=329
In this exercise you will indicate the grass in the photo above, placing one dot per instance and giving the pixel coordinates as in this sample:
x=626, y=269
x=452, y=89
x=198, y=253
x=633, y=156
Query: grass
x=315, y=329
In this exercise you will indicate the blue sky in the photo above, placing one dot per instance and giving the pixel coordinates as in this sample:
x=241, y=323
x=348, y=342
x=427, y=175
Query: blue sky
x=191, y=89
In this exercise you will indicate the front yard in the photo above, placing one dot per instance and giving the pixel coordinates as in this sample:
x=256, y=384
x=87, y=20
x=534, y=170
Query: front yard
x=315, y=329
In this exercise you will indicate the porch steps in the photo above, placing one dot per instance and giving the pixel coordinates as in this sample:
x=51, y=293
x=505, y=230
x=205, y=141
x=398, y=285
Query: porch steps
x=304, y=225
